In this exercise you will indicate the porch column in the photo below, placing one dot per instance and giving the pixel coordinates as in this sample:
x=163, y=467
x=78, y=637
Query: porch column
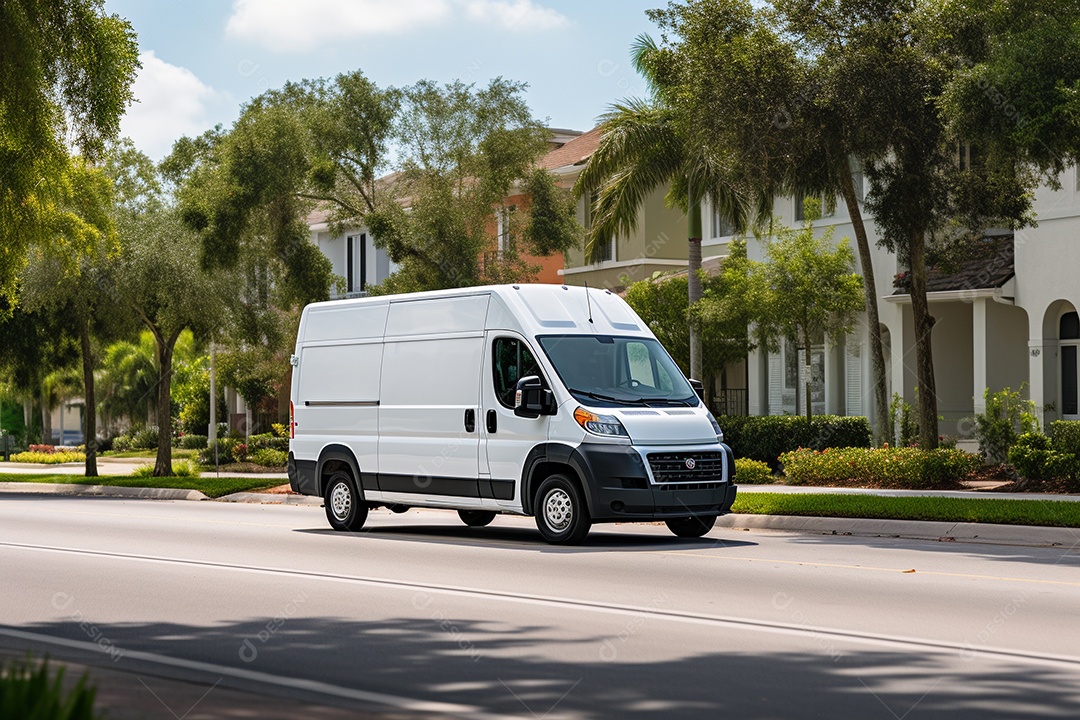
x=1042, y=373
x=834, y=377
x=978, y=353
x=757, y=377
x=897, y=361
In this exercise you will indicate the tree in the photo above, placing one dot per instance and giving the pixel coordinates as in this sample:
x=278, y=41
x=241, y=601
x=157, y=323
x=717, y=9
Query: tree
x=160, y=279
x=462, y=152
x=778, y=114
x=872, y=79
x=730, y=303
x=644, y=145
x=67, y=77
x=811, y=291
x=80, y=287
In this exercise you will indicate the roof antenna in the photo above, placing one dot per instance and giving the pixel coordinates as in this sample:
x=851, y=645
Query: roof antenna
x=588, y=301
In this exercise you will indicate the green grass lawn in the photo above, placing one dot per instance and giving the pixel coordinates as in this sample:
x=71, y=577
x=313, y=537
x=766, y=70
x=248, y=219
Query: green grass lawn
x=210, y=486
x=1049, y=513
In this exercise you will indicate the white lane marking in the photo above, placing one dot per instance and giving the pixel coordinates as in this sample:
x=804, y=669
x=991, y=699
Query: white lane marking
x=862, y=638
x=314, y=686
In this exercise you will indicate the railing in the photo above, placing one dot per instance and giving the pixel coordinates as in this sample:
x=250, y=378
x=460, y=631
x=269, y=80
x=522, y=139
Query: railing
x=731, y=401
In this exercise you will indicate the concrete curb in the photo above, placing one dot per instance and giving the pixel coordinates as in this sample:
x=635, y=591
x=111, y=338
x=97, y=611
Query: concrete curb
x=271, y=499
x=102, y=490
x=985, y=533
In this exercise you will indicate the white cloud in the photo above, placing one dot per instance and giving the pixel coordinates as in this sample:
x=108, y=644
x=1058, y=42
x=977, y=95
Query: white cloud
x=515, y=14
x=287, y=25
x=291, y=25
x=170, y=101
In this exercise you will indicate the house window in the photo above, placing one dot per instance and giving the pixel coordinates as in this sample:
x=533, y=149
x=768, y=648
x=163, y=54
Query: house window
x=721, y=224
x=1069, y=334
x=505, y=221
x=828, y=209
x=356, y=263
x=858, y=179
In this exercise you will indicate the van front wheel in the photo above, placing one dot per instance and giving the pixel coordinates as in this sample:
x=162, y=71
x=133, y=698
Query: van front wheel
x=476, y=518
x=561, y=514
x=691, y=527
x=345, y=506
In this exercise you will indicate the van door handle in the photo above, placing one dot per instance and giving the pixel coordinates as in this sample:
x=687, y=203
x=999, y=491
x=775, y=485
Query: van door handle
x=492, y=421
x=470, y=420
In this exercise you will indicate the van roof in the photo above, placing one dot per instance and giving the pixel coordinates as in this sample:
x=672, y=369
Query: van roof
x=532, y=308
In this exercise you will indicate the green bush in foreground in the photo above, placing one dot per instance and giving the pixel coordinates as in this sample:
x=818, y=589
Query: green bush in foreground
x=765, y=438
x=910, y=468
x=193, y=442
x=1034, y=457
x=752, y=472
x=28, y=692
x=46, y=458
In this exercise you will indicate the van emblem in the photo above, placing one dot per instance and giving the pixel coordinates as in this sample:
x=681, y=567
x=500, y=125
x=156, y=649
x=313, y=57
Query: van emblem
x=691, y=463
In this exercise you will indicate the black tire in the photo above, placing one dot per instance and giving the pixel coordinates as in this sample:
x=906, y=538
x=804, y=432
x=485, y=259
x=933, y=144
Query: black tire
x=345, y=506
x=561, y=513
x=476, y=518
x=691, y=527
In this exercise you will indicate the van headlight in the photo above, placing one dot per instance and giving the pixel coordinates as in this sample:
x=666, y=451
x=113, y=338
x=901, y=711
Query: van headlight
x=607, y=425
x=716, y=427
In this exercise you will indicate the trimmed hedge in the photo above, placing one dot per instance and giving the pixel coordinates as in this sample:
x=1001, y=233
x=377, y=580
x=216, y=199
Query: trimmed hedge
x=907, y=468
x=766, y=437
x=49, y=458
x=1035, y=457
x=1065, y=435
x=268, y=457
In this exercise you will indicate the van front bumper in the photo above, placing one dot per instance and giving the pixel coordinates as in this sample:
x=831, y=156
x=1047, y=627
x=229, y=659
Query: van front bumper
x=620, y=487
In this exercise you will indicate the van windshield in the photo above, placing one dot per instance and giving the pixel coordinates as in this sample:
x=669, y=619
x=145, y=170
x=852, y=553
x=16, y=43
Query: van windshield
x=608, y=370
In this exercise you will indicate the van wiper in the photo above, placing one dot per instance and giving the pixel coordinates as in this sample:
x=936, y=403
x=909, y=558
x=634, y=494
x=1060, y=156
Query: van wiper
x=598, y=396
x=668, y=401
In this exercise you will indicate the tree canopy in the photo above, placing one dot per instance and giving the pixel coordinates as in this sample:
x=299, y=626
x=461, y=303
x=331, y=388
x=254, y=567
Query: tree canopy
x=67, y=77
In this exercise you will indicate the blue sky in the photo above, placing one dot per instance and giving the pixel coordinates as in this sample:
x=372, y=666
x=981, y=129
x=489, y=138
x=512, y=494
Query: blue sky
x=202, y=59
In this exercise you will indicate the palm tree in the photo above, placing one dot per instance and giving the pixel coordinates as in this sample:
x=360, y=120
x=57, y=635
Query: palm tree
x=643, y=147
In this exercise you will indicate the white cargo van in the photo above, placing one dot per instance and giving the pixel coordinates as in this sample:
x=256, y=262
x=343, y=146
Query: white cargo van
x=543, y=400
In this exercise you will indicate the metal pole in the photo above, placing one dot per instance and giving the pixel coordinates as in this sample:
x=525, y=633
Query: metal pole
x=213, y=396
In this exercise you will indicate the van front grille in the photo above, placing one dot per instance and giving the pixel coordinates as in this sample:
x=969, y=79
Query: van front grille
x=674, y=467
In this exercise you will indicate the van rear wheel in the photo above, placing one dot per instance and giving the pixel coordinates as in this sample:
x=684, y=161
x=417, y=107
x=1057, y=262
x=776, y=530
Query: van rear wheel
x=476, y=518
x=561, y=513
x=691, y=527
x=345, y=506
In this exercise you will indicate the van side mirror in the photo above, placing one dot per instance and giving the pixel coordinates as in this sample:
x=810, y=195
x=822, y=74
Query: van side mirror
x=532, y=399
x=699, y=388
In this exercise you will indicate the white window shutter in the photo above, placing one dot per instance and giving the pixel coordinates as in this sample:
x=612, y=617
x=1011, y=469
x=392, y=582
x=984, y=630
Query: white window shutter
x=776, y=380
x=853, y=402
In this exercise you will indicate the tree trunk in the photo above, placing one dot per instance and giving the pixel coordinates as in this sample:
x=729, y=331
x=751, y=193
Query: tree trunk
x=28, y=418
x=877, y=353
x=90, y=415
x=163, y=466
x=46, y=417
x=694, y=281
x=924, y=357
x=808, y=355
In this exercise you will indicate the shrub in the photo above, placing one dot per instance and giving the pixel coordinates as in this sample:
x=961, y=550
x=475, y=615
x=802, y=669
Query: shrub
x=143, y=471
x=1007, y=415
x=145, y=438
x=906, y=467
x=42, y=449
x=752, y=472
x=280, y=430
x=193, y=442
x=1035, y=458
x=121, y=443
x=904, y=421
x=268, y=457
x=48, y=458
x=184, y=469
x=1065, y=435
x=765, y=438
x=239, y=452
x=28, y=692
x=267, y=440
x=224, y=452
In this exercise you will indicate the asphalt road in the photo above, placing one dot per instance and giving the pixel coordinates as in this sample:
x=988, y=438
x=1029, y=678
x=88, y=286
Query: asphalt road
x=421, y=616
